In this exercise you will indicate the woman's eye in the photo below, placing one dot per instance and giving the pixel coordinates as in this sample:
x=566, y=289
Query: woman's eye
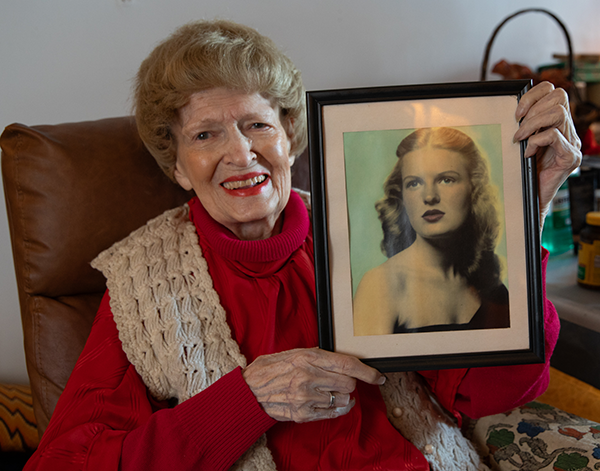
x=412, y=184
x=203, y=136
x=258, y=125
x=448, y=180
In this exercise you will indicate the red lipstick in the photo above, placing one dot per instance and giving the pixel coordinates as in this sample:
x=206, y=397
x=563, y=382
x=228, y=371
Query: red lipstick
x=433, y=215
x=249, y=184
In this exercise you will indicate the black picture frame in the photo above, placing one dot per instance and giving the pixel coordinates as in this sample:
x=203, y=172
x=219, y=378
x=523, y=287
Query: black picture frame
x=337, y=121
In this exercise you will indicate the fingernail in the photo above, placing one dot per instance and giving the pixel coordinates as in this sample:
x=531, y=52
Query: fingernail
x=381, y=380
x=517, y=137
x=519, y=113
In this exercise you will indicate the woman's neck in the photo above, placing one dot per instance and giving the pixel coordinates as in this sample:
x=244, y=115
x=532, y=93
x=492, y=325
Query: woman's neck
x=257, y=230
x=295, y=225
x=437, y=254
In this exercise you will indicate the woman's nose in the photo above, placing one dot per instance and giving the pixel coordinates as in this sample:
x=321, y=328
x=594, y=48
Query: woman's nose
x=431, y=195
x=239, y=150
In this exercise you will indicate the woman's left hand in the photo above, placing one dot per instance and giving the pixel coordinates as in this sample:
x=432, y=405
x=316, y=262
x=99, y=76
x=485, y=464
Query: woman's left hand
x=307, y=384
x=548, y=126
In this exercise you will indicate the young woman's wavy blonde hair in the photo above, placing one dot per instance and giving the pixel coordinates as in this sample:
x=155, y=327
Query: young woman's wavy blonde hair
x=482, y=227
x=210, y=54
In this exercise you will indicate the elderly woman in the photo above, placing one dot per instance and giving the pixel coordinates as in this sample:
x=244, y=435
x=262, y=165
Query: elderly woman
x=202, y=354
x=440, y=225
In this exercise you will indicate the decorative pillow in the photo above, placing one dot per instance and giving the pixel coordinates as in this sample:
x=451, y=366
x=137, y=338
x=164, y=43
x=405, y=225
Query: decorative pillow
x=18, y=431
x=536, y=437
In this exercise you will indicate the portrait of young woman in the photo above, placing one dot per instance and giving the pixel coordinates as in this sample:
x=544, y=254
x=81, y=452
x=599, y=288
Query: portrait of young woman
x=442, y=223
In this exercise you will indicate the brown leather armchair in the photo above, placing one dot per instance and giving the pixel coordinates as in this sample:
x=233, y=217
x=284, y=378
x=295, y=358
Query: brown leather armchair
x=72, y=190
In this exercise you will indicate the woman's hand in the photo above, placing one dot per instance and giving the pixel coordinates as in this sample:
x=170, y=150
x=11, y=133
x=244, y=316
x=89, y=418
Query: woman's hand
x=548, y=125
x=298, y=385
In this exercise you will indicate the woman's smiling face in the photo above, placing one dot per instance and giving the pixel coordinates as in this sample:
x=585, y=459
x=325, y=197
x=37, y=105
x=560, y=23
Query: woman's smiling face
x=233, y=151
x=436, y=191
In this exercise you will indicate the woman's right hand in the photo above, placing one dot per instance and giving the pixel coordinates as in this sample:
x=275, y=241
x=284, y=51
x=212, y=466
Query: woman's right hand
x=295, y=385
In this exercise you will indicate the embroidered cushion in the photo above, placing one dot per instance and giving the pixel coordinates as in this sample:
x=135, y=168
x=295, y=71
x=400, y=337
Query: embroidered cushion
x=537, y=436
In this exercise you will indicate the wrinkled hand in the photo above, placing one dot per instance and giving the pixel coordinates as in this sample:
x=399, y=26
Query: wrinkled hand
x=295, y=385
x=548, y=125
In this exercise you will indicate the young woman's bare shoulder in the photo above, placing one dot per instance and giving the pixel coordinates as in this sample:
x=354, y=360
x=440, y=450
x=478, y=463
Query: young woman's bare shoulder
x=375, y=310
x=373, y=276
x=397, y=268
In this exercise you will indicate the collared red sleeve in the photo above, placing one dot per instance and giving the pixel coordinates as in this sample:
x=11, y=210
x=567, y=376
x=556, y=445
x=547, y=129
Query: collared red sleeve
x=106, y=420
x=477, y=392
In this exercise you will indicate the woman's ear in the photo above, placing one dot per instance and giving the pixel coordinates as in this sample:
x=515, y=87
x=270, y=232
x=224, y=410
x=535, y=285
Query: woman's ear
x=288, y=126
x=181, y=177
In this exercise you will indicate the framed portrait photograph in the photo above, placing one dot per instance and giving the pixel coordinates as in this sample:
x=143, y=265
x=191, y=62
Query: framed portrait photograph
x=426, y=226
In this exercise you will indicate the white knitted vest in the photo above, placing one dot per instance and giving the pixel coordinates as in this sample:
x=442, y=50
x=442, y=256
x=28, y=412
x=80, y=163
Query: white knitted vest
x=174, y=331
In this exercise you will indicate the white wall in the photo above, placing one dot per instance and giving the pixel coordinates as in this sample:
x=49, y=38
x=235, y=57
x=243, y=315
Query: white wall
x=72, y=60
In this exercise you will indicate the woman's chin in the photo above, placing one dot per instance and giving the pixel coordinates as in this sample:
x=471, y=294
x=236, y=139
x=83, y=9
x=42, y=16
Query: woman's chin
x=260, y=220
x=451, y=237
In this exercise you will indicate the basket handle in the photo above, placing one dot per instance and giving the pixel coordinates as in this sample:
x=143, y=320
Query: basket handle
x=488, y=47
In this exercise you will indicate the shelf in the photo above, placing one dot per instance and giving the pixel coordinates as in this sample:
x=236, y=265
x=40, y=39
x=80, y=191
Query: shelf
x=574, y=303
x=577, y=352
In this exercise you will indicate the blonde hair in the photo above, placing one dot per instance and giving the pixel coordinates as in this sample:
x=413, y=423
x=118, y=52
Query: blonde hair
x=482, y=226
x=213, y=54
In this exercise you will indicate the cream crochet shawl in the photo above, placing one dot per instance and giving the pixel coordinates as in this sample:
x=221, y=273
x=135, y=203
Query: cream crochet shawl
x=174, y=331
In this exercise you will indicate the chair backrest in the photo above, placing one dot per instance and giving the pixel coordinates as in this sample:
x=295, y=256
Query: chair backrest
x=72, y=190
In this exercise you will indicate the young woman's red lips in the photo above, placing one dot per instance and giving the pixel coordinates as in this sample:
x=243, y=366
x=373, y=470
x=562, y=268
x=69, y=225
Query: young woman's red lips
x=433, y=215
